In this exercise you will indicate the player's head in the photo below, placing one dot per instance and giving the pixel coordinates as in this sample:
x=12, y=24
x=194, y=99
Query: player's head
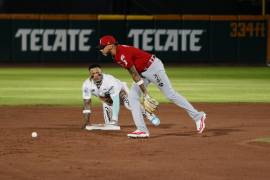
x=95, y=72
x=107, y=44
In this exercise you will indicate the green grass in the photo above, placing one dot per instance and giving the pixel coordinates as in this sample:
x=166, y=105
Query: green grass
x=62, y=86
x=263, y=140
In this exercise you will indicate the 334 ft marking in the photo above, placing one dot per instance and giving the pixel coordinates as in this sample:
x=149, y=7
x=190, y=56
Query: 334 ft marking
x=247, y=29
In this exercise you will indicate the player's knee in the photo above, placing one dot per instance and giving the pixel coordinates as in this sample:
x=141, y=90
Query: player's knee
x=171, y=96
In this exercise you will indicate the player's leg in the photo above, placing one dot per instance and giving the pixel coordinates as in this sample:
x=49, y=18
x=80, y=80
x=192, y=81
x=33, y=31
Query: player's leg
x=150, y=116
x=158, y=76
x=136, y=111
x=124, y=100
x=124, y=96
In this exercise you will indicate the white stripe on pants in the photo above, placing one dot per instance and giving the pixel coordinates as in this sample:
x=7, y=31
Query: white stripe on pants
x=107, y=113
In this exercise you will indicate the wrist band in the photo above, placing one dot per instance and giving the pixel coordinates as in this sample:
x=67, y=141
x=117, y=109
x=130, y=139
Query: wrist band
x=86, y=111
x=140, y=82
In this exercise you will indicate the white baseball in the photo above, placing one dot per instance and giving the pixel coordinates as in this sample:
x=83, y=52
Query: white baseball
x=34, y=134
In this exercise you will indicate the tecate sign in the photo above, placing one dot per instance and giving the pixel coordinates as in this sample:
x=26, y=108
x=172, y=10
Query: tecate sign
x=54, y=39
x=175, y=39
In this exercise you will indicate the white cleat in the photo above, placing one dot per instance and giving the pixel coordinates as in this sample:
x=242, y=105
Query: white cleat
x=200, y=124
x=138, y=134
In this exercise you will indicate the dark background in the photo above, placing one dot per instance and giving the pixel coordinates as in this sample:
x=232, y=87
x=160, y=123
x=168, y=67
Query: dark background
x=134, y=6
x=218, y=45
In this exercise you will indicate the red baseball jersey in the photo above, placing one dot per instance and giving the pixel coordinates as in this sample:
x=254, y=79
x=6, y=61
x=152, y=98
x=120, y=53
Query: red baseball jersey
x=127, y=56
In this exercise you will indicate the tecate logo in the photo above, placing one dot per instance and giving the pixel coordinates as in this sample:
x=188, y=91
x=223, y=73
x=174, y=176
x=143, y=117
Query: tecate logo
x=54, y=39
x=172, y=39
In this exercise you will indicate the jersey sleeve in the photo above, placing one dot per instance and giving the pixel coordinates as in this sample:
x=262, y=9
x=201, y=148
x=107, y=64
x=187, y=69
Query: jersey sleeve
x=86, y=91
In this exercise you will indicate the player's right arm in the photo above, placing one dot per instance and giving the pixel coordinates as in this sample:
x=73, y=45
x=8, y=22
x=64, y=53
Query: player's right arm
x=86, y=112
x=86, y=94
x=137, y=78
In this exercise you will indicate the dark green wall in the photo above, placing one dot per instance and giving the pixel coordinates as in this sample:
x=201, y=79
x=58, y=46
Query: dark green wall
x=174, y=41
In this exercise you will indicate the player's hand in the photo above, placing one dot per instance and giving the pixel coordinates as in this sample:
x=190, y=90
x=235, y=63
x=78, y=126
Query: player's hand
x=150, y=104
x=84, y=125
x=85, y=121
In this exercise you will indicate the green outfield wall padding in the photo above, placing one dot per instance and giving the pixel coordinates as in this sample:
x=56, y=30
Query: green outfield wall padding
x=44, y=38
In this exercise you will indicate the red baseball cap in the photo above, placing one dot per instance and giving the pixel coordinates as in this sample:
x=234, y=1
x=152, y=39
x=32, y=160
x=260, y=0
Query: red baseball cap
x=106, y=40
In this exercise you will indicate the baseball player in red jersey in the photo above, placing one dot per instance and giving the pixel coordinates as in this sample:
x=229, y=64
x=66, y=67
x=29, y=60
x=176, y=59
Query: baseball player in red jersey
x=144, y=69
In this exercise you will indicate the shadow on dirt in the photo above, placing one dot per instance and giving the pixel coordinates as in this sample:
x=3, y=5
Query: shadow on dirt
x=207, y=133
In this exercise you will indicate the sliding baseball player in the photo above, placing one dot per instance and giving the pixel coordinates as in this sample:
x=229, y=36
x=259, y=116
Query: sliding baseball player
x=112, y=92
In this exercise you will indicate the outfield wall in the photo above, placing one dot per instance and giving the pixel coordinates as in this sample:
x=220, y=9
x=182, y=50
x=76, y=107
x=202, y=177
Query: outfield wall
x=29, y=38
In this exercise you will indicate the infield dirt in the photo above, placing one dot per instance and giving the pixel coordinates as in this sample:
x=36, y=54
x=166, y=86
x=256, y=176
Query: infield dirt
x=174, y=150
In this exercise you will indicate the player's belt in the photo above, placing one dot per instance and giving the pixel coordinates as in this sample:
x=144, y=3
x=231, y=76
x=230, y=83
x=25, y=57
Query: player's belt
x=151, y=60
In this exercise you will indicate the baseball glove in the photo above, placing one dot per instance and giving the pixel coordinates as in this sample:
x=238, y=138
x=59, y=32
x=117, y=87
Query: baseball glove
x=150, y=104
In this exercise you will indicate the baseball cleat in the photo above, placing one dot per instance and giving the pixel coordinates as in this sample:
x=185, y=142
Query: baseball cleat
x=138, y=134
x=200, y=124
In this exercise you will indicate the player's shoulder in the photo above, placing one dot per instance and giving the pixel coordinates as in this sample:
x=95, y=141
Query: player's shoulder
x=87, y=82
x=127, y=50
x=125, y=46
x=110, y=80
x=108, y=77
